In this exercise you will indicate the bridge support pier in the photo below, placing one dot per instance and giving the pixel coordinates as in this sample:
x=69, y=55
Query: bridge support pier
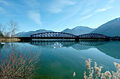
x=25, y=39
x=77, y=39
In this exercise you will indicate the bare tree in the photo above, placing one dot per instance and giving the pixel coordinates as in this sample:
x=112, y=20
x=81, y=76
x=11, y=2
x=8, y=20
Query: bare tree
x=9, y=30
x=13, y=28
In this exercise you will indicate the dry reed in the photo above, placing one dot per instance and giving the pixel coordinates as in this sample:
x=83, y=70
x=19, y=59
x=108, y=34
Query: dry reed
x=96, y=72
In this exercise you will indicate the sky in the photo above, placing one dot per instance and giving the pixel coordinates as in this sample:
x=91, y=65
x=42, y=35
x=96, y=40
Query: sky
x=58, y=15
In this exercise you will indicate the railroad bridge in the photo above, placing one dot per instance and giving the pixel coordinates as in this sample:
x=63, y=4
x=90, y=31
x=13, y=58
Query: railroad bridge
x=65, y=36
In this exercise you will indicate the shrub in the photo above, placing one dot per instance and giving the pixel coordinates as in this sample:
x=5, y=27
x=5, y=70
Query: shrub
x=17, y=66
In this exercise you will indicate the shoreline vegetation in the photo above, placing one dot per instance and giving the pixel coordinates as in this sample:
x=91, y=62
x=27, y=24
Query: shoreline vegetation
x=97, y=73
x=10, y=39
x=8, y=32
x=18, y=65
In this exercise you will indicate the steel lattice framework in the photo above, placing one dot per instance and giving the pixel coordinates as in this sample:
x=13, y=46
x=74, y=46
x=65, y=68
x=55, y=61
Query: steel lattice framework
x=53, y=34
x=93, y=35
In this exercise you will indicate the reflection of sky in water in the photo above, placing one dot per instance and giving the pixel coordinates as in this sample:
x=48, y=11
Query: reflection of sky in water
x=61, y=59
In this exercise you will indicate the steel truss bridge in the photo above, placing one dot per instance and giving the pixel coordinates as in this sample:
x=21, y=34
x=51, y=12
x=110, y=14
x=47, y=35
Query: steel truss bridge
x=64, y=36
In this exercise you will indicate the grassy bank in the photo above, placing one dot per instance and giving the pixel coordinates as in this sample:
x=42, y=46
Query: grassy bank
x=9, y=39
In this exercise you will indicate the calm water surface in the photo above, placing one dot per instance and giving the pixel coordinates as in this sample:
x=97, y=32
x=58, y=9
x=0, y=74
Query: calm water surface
x=58, y=60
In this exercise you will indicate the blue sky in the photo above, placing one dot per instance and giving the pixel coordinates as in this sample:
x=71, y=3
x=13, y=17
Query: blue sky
x=58, y=14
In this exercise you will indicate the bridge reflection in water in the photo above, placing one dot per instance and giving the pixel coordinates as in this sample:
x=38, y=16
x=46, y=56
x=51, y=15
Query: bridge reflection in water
x=110, y=48
x=68, y=44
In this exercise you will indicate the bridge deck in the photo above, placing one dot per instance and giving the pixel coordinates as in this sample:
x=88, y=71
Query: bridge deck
x=62, y=38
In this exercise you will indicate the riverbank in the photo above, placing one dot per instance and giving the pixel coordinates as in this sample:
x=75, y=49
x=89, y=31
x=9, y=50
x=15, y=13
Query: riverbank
x=10, y=39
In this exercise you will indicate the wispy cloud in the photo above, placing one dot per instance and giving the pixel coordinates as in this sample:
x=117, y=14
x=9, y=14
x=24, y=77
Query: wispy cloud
x=4, y=2
x=2, y=10
x=35, y=16
x=58, y=5
x=86, y=17
x=103, y=9
x=33, y=4
x=95, y=12
x=112, y=1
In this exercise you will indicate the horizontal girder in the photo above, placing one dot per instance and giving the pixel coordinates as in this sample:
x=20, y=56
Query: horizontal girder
x=53, y=34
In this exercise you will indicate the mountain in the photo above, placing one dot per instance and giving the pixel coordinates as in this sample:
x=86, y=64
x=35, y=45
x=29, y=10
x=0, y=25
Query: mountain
x=78, y=30
x=111, y=28
x=27, y=34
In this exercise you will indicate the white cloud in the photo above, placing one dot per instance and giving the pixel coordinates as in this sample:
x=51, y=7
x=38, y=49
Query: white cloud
x=86, y=17
x=103, y=9
x=4, y=2
x=58, y=5
x=2, y=10
x=33, y=4
x=112, y=1
x=97, y=11
x=35, y=16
